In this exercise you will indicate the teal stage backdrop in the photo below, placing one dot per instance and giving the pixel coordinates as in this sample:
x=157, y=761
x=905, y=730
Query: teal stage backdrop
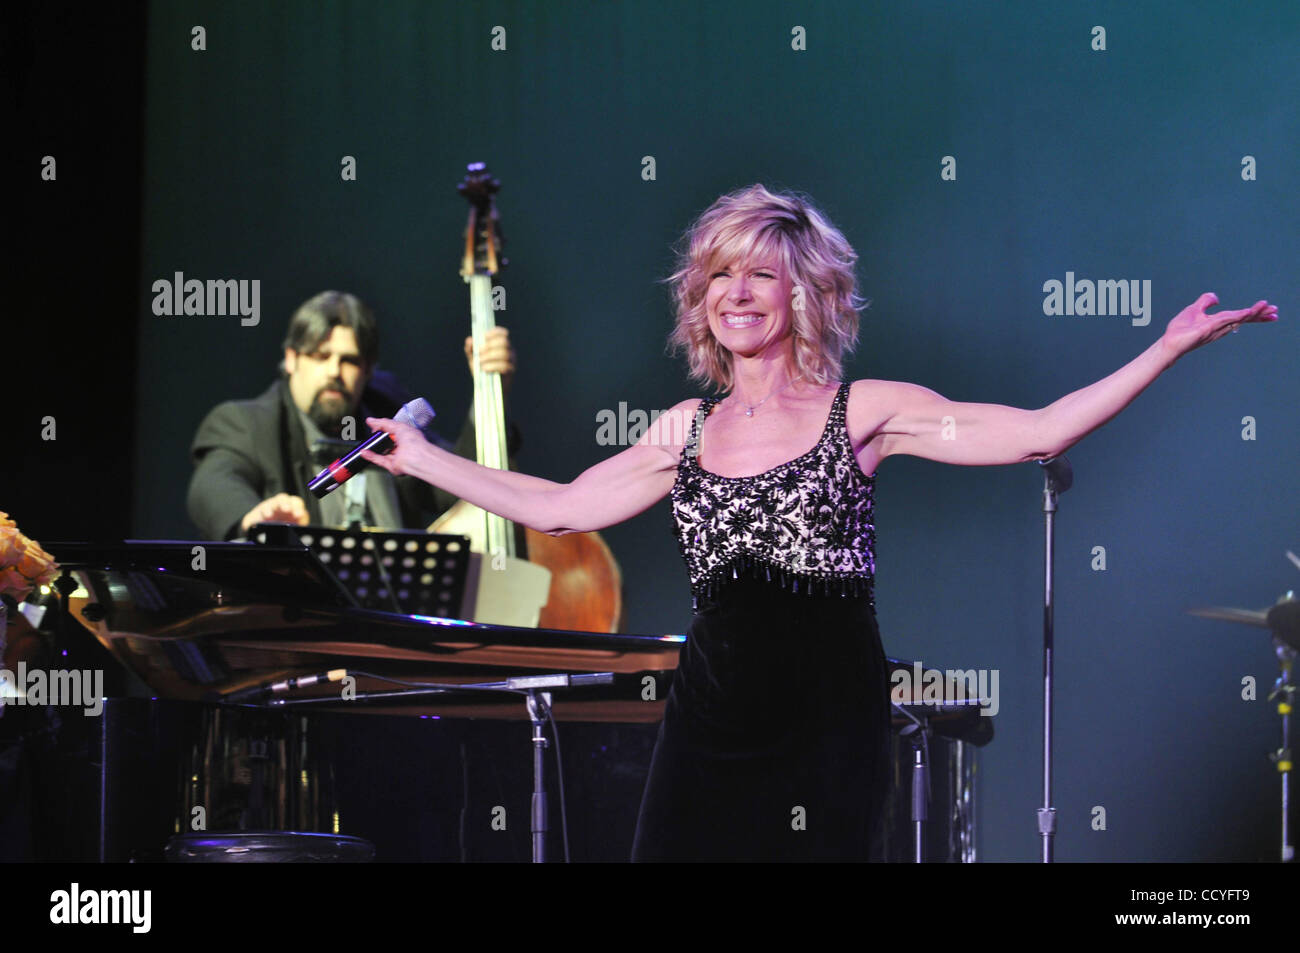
x=971, y=152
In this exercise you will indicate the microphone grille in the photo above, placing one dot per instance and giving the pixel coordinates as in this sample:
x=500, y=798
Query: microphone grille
x=417, y=412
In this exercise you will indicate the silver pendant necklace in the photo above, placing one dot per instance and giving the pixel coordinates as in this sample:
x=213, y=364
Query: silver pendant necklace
x=749, y=411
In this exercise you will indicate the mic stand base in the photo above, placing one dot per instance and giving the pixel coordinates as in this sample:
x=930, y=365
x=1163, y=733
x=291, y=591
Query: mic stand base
x=539, y=705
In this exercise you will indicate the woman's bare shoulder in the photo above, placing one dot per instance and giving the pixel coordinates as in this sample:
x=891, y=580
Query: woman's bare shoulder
x=872, y=402
x=871, y=388
x=866, y=389
x=670, y=428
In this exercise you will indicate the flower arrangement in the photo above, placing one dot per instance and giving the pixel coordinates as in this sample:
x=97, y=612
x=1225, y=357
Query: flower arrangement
x=23, y=564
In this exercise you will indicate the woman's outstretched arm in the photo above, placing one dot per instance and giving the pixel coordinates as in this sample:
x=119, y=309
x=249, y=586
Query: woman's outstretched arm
x=918, y=422
x=610, y=492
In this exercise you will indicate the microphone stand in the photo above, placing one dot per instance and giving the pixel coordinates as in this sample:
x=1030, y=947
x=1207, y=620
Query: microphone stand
x=1058, y=477
x=539, y=709
x=919, y=734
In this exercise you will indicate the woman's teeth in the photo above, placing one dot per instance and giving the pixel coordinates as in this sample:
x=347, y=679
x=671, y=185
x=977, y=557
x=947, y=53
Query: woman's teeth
x=741, y=320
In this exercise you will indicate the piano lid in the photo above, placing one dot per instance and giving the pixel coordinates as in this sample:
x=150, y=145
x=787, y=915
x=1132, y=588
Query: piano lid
x=194, y=619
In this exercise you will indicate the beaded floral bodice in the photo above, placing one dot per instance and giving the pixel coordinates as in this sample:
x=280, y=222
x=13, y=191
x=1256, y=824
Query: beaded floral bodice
x=806, y=524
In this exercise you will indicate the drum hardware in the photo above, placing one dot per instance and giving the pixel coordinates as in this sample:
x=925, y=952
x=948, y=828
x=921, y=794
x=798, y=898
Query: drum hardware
x=1282, y=619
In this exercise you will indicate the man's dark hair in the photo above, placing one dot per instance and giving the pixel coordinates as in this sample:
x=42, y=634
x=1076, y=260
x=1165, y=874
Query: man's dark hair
x=316, y=318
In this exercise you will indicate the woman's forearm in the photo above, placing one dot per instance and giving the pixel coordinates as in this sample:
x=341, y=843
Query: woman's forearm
x=1070, y=419
x=518, y=497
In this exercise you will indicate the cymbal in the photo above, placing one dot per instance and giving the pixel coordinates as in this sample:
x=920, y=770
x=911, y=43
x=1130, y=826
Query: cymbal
x=1255, y=617
x=1283, y=618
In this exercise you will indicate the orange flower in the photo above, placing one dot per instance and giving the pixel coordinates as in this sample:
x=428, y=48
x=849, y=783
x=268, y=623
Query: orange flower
x=10, y=544
x=31, y=564
x=23, y=563
x=13, y=583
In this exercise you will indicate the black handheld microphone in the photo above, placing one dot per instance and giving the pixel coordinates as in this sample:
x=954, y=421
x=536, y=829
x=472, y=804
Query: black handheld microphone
x=417, y=413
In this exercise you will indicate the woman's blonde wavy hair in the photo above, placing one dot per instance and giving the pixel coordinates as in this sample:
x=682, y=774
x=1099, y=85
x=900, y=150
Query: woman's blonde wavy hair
x=753, y=222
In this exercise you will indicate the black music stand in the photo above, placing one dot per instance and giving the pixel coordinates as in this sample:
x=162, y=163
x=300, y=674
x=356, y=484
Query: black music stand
x=409, y=572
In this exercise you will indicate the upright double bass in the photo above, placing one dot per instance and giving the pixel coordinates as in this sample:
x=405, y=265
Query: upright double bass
x=519, y=576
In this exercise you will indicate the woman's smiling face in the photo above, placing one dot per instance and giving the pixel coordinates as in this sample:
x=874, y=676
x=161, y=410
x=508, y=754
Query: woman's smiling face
x=749, y=304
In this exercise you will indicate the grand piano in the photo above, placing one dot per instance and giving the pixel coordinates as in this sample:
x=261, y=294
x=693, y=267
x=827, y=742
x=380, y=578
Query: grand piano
x=186, y=743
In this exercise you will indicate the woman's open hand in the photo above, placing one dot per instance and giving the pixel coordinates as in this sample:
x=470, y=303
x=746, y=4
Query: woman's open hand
x=1193, y=327
x=410, y=446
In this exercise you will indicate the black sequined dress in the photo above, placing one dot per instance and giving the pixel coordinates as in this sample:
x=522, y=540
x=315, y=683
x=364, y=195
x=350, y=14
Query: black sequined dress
x=775, y=739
